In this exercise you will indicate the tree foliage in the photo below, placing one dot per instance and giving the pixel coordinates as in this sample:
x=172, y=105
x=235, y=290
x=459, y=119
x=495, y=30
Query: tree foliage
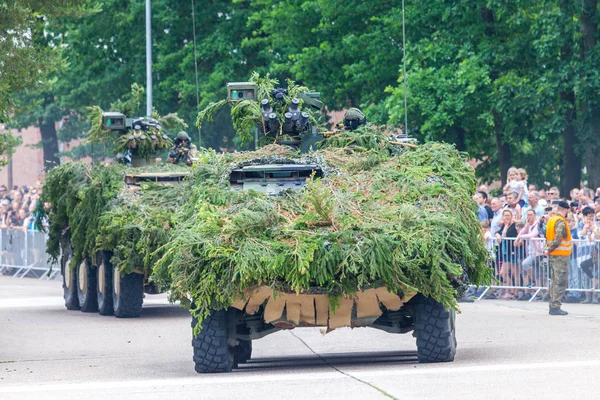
x=26, y=59
x=8, y=143
x=504, y=80
x=501, y=80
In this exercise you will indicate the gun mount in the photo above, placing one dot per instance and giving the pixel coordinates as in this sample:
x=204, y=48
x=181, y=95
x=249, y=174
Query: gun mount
x=139, y=139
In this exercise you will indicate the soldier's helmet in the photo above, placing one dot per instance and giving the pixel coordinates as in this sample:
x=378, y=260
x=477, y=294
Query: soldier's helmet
x=353, y=118
x=182, y=135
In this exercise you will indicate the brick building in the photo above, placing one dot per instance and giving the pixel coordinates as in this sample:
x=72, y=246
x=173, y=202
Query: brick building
x=28, y=161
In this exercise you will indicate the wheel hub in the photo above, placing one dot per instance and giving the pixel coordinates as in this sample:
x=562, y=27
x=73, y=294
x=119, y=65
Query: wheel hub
x=117, y=281
x=101, y=277
x=68, y=272
x=83, y=278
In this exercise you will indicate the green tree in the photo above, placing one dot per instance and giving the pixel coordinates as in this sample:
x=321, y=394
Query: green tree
x=106, y=53
x=25, y=58
x=505, y=74
x=588, y=88
x=349, y=50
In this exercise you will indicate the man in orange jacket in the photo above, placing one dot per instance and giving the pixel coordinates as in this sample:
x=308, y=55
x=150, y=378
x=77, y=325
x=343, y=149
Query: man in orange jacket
x=558, y=247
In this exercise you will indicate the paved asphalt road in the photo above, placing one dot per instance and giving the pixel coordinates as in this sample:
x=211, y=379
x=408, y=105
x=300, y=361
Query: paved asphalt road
x=506, y=350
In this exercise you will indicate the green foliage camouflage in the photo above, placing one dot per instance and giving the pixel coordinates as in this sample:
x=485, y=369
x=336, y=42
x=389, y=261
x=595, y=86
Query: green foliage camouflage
x=381, y=215
x=142, y=143
x=137, y=224
x=405, y=222
x=93, y=209
x=247, y=114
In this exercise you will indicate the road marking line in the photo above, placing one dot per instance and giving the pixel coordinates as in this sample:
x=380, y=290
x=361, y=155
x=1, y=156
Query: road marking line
x=30, y=302
x=202, y=381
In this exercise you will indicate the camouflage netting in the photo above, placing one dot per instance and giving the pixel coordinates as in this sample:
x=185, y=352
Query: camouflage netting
x=93, y=209
x=382, y=215
x=403, y=221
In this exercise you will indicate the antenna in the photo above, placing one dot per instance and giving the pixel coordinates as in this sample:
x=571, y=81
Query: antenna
x=405, y=130
x=148, y=59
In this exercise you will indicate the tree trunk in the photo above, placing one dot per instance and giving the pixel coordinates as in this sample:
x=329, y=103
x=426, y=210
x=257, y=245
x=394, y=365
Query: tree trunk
x=504, y=154
x=49, y=144
x=10, y=173
x=591, y=110
x=572, y=172
x=459, y=138
x=47, y=126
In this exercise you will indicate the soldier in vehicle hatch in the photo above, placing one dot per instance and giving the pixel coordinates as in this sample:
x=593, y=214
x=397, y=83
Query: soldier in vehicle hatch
x=183, y=151
x=353, y=118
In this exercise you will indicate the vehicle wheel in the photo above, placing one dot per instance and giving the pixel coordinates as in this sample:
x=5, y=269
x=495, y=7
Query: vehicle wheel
x=105, y=284
x=86, y=288
x=434, y=330
x=128, y=294
x=242, y=352
x=69, y=280
x=211, y=349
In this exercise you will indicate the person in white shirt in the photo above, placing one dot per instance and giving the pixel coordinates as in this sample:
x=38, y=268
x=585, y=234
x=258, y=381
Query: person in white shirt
x=497, y=219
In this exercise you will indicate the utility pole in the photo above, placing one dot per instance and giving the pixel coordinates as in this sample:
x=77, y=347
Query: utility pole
x=148, y=59
x=10, y=174
x=196, y=69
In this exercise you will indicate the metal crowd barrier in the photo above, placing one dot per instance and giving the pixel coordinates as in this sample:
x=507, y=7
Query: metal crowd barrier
x=23, y=254
x=521, y=269
x=518, y=264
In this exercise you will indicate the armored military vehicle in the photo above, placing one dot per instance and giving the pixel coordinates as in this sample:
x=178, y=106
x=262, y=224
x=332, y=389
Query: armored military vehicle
x=225, y=338
x=331, y=199
x=361, y=230
x=95, y=284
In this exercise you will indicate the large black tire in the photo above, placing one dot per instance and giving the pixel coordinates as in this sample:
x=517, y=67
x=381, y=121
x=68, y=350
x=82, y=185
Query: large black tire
x=128, y=294
x=435, y=331
x=86, y=287
x=105, y=284
x=211, y=349
x=69, y=279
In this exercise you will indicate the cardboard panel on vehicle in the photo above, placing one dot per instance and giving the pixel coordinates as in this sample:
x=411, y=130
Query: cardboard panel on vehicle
x=367, y=304
x=391, y=301
x=274, y=308
x=307, y=309
x=342, y=316
x=292, y=309
x=257, y=299
x=322, y=308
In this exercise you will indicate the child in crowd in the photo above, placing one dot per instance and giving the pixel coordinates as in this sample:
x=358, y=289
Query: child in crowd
x=523, y=175
x=487, y=235
x=517, y=182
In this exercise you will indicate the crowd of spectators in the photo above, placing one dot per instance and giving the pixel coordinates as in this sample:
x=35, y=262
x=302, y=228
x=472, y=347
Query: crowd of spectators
x=21, y=246
x=514, y=228
x=18, y=206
